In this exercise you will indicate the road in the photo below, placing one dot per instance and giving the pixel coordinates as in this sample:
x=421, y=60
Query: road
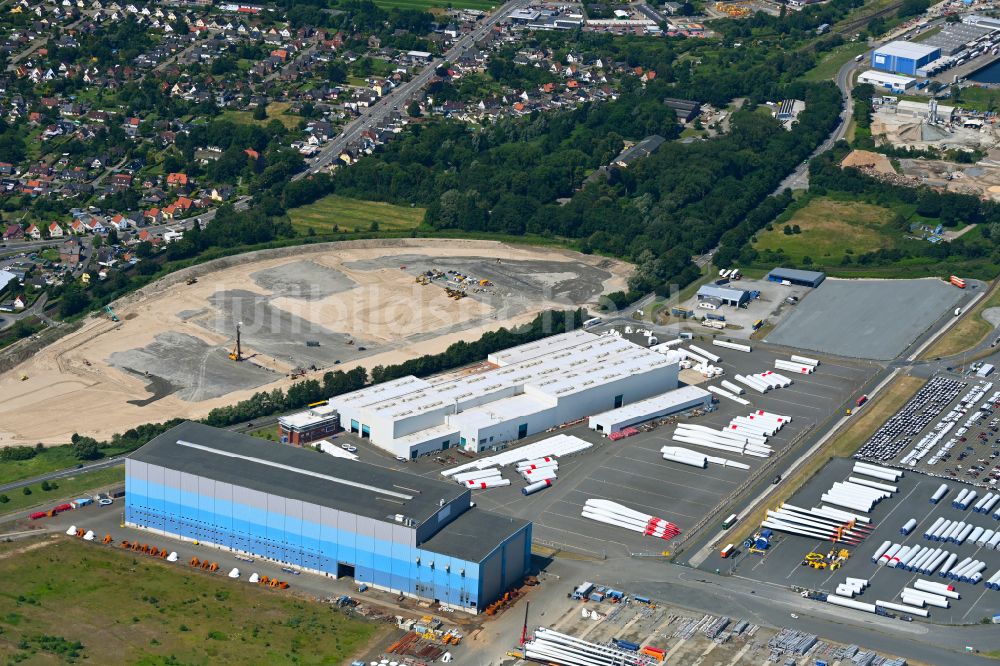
x=398, y=97
x=63, y=473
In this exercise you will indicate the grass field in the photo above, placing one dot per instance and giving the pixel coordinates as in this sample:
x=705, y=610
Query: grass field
x=829, y=228
x=831, y=62
x=427, y=5
x=844, y=444
x=350, y=214
x=275, y=111
x=967, y=333
x=130, y=609
x=68, y=488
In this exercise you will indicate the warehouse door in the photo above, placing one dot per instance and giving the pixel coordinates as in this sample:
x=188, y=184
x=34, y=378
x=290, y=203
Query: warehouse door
x=619, y=400
x=522, y=431
x=345, y=570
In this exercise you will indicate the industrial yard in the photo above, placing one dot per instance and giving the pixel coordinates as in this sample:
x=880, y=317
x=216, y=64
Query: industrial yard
x=782, y=563
x=632, y=472
x=870, y=319
x=319, y=307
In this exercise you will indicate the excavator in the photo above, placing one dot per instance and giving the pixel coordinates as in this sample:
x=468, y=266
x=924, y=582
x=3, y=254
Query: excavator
x=237, y=353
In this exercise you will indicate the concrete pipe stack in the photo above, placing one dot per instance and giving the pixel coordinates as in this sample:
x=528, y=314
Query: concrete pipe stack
x=964, y=498
x=732, y=345
x=913, y=597
x=619, y=515
x=790, y=366
x=804, y=360
x=933, y=587
x=985, y=505
x=850, y=603
x=722, y=393
x=902, y=608
x=939, y=493
x=851, y=587
x=994, y=582
x=876, y=472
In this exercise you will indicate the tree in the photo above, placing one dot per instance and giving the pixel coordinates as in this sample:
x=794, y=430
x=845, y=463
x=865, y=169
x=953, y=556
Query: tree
x=86, y=448
x=45, y=486
x=787, y=230
x=26, y=491
x=260, y=112
x=4, y=499
x=413, y=110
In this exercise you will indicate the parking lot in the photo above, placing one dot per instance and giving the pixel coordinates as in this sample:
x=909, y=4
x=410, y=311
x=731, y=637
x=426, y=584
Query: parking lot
x=950, y=429
x=874, y=319
x=782, y=563
x=632, y=472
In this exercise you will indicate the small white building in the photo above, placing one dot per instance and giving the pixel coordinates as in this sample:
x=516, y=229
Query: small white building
x=672, y=402
x=893, y=82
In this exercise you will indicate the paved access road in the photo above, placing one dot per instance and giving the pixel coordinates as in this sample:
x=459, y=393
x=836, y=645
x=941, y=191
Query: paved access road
x=63, y=473
x=398, y=97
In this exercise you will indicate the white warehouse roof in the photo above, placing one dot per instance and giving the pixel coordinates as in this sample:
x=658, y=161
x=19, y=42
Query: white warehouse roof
x=909, y=50
x=873, y=76
x=309, y=417
x=659, y=405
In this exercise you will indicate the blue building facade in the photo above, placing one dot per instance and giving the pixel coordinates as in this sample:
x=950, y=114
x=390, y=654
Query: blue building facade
x=904, y=57
x=447, y=557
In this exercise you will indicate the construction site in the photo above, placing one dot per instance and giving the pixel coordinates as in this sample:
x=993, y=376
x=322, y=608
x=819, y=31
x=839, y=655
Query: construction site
x=170, y=349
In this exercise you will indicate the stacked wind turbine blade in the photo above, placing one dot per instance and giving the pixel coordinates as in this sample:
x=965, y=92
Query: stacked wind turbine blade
x=619, y=515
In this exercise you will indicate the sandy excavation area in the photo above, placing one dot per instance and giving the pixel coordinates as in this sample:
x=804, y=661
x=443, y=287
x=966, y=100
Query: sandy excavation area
x=303, y=310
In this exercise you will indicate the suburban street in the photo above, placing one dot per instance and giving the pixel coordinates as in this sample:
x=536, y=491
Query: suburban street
x=397, y=98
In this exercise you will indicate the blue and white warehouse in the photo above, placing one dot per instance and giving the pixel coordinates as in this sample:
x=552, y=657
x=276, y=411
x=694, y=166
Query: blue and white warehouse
x=333, y=516
x=904, y=57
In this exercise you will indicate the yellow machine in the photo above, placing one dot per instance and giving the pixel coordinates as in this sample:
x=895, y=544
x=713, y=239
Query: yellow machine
x=237, y=353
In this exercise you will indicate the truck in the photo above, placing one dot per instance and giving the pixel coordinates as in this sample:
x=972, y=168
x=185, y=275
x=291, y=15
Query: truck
x=859, y=57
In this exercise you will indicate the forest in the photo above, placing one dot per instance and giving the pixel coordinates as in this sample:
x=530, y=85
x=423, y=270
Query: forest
x=530, y=176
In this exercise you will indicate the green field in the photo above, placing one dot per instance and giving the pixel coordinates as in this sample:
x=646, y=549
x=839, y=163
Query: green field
x=829, y=229
x=349, y=214
x=71, y=487
x=275, y=111
x=831, y=61
x=428, y=5
x=67, y=601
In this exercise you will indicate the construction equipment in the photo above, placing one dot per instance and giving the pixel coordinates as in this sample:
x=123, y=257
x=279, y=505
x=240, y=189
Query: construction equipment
x=192, y=280
x=107, y=539
x=111, y=313
x=237, y=353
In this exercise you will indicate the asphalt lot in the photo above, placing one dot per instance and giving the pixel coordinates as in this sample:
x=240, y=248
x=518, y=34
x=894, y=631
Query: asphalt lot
x=632, y=471
x=782, y=563
x=874, y=319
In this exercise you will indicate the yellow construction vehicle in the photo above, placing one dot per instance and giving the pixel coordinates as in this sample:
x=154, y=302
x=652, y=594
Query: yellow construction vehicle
x=813, y=557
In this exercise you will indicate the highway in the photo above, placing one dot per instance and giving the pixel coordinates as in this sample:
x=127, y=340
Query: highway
x=399, y=97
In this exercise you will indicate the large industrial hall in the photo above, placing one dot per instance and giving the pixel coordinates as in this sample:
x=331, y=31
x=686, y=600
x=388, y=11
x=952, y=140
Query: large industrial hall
x=526, y=390
x=336, y=517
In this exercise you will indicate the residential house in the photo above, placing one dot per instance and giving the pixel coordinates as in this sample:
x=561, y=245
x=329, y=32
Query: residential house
x=13, y=232
x=175, y=179
x=33, y=232
x=55, y=231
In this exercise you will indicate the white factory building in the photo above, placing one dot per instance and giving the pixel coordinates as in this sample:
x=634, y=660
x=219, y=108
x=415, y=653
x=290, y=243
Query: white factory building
x=527, y=390
x=893, y=82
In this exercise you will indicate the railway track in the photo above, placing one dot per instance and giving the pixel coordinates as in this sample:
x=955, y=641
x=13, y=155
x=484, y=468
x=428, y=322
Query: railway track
x=854, y=25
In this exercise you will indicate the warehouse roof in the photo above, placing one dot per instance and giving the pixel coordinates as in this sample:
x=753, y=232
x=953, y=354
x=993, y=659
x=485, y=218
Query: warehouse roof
x=566, y=364
x=658, y=403
x=910, y=50
x=887, y=77
x=718, y=291
x=797, y=274
x=346, y=485
x=474, y=535
x=313, y=416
